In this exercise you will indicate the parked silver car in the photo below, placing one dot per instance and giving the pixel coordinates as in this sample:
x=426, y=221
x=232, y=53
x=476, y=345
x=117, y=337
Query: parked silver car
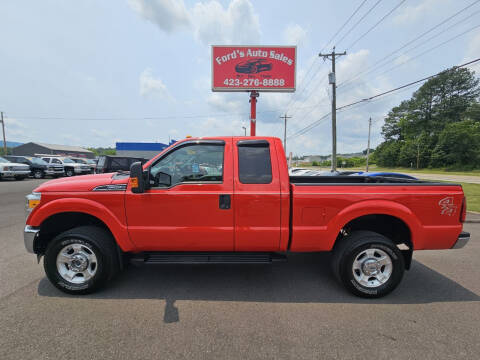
x=15, y=170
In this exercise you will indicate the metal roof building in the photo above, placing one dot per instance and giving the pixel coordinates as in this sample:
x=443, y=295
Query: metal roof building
x=140, y=149
x=32, y=148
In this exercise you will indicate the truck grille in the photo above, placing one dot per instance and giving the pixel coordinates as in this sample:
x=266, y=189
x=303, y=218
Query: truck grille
x=20, y=168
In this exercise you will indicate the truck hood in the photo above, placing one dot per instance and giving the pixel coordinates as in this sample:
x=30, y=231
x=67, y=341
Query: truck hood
x=82, y=183
x=12, y=164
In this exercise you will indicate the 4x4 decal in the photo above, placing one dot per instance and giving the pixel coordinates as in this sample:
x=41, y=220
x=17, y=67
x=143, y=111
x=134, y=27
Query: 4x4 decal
x=447, y=207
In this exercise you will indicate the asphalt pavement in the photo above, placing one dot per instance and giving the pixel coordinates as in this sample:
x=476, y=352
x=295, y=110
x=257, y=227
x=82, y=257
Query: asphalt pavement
x=292, y=310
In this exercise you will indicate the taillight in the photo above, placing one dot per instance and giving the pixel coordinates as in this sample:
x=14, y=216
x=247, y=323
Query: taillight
x=463, y=211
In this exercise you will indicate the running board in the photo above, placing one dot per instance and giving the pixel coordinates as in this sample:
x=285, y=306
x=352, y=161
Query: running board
x=206, y=258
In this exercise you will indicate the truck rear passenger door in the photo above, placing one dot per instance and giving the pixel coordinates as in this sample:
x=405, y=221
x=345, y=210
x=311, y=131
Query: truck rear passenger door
x=256, y=196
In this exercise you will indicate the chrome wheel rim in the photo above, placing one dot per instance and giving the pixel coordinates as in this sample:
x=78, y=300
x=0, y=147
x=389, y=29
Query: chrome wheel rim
x=77, y=263
x=372, y=267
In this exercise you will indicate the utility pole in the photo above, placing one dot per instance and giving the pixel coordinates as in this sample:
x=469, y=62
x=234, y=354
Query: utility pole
x=368, y=146
x=331, y=80
x=3, y=129
x=418, y=152
x=285, y=117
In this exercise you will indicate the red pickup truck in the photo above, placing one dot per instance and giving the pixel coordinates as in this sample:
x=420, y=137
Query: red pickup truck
x=231, y=200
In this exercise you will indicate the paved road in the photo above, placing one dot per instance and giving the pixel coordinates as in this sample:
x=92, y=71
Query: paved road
x=293, y=310
x=448, y=177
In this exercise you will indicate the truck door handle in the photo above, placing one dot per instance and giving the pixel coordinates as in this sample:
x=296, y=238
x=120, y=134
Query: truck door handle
x=224, y=202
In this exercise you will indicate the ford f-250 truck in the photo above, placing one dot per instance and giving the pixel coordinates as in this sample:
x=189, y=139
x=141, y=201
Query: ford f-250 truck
x=231, y=200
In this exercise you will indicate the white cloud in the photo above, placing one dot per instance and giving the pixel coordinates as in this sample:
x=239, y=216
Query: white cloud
x=236, y=24
x=412, y=13
x=209, y=21
x=168, y=15
x=151, y=86
x=294, y=34
x=224, y=102
x=15, y=130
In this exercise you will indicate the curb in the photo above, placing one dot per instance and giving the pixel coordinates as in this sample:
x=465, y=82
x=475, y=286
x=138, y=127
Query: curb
x=473, y=221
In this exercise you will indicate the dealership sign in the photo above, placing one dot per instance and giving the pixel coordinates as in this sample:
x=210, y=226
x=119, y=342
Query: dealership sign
x=246, y=68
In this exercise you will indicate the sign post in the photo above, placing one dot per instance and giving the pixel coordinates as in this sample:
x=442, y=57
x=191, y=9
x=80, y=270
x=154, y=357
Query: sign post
x=253, y=111
x=253, y=69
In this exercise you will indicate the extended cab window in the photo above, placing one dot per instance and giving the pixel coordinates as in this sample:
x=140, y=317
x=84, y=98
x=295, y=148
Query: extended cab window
x=254, y=164
x=192, y=163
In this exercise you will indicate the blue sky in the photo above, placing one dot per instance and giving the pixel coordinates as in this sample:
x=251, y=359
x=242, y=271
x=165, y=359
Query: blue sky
x=91, y=73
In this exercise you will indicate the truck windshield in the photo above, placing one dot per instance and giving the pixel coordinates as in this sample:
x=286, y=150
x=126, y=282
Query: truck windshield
x=68, y=161
x=37, y=161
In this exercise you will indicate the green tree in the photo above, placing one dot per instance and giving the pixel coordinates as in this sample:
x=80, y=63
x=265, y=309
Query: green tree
x=413, y=128
x=458, y=145
x=387, y=153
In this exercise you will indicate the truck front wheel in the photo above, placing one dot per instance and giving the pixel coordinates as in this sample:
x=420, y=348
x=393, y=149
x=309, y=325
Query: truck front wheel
x=81, y=260
x=368, y=264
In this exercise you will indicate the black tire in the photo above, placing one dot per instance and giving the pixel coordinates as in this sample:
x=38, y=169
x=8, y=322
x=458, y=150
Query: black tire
x=103, y=246
x=346, y=252
x=38, y=174
x=69, y=172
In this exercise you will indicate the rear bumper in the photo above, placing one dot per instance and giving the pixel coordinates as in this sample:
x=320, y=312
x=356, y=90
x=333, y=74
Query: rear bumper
x=30, y=234
x=462, y=240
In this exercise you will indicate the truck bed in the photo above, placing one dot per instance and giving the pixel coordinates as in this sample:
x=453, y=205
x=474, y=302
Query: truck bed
x=324, y=205
x=345, y=179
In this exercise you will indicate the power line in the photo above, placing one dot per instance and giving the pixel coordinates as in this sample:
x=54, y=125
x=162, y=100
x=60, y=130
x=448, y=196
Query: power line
x=376, y=24
x=429, y=50
x=373, y=67
x=342, y=108
x=191, y=116
x=404, y=86
x=359, y=21
x=328, y=43
x=344, y=24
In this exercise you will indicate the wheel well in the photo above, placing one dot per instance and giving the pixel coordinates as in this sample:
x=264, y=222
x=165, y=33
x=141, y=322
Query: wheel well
x=389, y=226
x=58, y=223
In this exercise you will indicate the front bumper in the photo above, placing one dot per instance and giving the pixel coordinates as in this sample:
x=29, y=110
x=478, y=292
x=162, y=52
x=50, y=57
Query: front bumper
x=54, y=172
x=30, y=234
x=11, y=173
x=462, y=240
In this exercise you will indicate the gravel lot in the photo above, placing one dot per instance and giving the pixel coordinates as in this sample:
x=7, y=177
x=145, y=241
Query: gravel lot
x=288, y=310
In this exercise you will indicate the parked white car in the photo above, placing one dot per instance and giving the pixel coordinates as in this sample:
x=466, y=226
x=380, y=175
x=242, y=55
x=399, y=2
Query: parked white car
x=70, y=166
x=15, y=170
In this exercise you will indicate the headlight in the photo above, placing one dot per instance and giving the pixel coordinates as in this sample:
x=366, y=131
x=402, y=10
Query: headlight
x=33, y=200
x=7, y=168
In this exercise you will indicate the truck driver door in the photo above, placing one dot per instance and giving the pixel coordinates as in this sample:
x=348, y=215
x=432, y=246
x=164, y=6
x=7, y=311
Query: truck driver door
x=194, y=212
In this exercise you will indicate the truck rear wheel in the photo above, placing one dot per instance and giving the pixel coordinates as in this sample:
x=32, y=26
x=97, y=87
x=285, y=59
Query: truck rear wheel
x=368, y=264
x=81, y=260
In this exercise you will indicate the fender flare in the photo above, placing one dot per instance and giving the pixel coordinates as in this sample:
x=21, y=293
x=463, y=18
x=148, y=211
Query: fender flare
x=379, y=207
x=88, y=207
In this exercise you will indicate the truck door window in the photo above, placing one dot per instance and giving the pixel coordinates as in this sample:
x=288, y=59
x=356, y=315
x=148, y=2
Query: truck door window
x=56, y=161
x=254, y=164
x=191, y=163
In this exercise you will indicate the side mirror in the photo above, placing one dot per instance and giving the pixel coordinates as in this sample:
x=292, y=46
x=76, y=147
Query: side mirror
x=164, y=179
x=136, y=178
